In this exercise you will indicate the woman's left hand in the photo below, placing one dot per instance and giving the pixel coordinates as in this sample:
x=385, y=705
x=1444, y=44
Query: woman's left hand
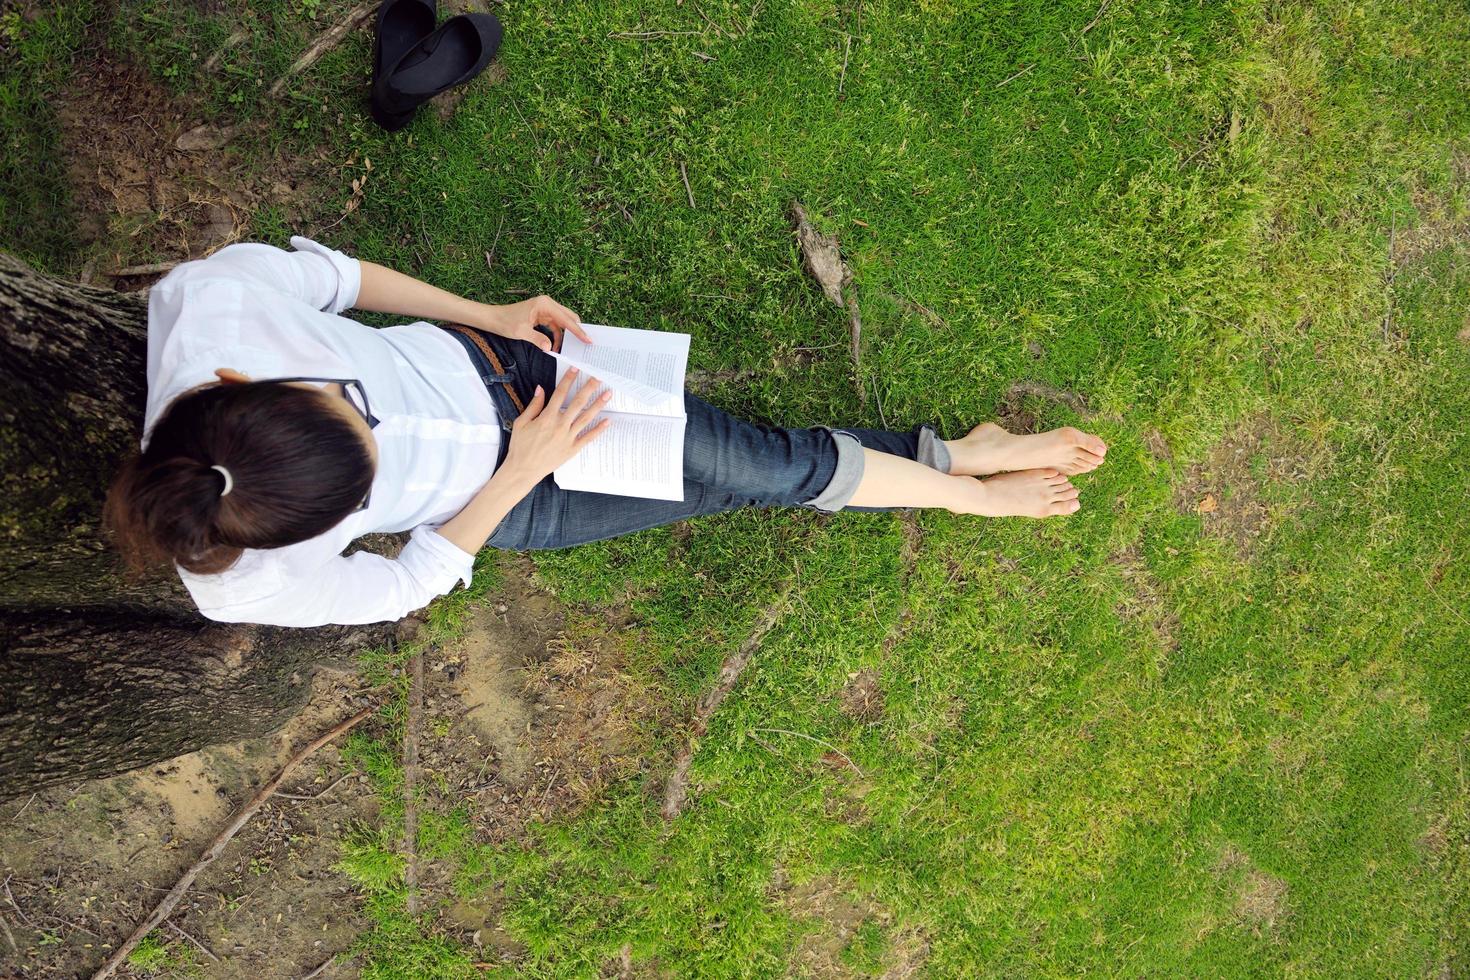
x=518, y=321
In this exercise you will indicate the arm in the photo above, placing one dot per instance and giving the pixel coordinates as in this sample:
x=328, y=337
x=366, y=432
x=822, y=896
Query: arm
x=542, y=438
x=385, y=291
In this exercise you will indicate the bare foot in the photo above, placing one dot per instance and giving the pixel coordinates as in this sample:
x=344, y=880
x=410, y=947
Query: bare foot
x=1028, y=493
x=990, y=449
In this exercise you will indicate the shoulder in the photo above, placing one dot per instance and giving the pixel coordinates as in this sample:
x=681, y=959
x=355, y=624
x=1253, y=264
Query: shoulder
x=262, y=575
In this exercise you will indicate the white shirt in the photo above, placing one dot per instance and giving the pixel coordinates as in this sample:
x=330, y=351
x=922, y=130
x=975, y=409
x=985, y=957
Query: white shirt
x=273, y=314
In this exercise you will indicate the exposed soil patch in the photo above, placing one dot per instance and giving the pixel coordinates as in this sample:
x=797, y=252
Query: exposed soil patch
x=838, y=916
x=1145, y=604
x=85, y=863
x=1440, y=225
x=1260, y=898
x=1236, y=490
x=1157, y=445
x=862, y=697
x=528, y=719
x=139, y=200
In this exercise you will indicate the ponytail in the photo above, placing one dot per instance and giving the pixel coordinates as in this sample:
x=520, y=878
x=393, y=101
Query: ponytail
x=230, y=467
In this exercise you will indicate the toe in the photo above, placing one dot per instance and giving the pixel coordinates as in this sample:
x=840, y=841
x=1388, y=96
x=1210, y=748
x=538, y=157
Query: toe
x=1064, y=507
x=1093, y=444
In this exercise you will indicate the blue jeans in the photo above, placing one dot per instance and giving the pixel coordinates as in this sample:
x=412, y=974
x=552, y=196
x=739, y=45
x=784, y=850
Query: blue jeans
x=728, y=464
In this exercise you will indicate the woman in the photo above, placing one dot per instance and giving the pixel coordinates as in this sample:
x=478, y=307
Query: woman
x=276, y=432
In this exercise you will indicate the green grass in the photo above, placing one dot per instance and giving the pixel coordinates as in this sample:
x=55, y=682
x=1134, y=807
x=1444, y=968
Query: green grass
x=1115, y=745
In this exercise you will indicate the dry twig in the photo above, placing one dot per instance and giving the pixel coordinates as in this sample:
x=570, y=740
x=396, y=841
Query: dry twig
x=684, y=174
x=217, y=846
x=1095, y=18
x=1393, y=269
x=1017, y=75
x=822, y=742
x=197, y=944
x=317, y=796
x=646, y=35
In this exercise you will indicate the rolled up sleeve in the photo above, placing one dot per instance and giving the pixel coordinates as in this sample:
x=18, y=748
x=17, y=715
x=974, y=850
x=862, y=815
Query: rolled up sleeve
x=361, y=588
x=321, y=277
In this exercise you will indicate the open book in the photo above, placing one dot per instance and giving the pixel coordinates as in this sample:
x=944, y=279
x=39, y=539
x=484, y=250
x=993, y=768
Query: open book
x=642, y=453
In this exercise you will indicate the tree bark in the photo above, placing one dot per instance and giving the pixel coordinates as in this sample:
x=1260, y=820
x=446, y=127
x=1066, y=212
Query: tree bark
x=98, y=673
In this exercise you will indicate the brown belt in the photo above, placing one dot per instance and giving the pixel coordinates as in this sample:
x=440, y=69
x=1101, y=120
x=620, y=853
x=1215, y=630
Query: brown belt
x=480, y=342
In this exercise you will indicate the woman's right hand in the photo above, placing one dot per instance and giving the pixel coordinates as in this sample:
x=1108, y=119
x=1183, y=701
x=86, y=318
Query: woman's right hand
x=551, y=430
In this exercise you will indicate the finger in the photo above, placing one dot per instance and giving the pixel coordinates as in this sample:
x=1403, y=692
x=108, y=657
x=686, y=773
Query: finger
x=557, y=315
x=538, y=338
x=564, y=319
x=568, y=382
x=584, y=397
x=534, y=406
x=575, y=326
x=590, y=412
x=592, y=433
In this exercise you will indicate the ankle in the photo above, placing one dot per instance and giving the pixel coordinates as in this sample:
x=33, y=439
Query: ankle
x=971, y=496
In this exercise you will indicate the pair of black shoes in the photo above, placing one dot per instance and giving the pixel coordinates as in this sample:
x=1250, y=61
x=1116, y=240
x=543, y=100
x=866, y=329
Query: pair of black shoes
x=413, y=61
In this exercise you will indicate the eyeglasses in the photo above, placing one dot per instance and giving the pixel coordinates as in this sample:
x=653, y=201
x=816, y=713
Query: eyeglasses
x=356, y=396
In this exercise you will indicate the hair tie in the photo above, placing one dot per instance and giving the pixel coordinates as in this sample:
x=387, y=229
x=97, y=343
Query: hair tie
x=229, y=480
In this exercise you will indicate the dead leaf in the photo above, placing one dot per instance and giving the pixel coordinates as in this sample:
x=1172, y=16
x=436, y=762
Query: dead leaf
x=823, y=259
x=1208, y=505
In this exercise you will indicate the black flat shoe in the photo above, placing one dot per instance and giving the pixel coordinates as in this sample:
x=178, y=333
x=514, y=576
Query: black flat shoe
x=401, y=24
x=450, y=56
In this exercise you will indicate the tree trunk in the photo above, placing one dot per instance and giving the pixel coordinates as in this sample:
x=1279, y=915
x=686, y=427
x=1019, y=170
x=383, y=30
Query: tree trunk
x=100, y=674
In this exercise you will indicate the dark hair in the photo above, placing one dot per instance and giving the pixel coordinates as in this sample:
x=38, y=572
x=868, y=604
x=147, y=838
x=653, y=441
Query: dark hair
x=298, y=467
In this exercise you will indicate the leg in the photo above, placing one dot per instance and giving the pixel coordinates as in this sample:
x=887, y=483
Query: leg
x=730, y=463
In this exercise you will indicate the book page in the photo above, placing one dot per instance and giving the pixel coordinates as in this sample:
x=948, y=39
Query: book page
x=644, y=368
x=638, y=456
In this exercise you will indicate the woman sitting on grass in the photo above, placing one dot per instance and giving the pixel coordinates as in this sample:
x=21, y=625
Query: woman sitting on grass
x=277, y=432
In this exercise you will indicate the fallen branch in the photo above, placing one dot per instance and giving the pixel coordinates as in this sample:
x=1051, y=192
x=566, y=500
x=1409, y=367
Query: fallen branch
x=321, y=968
x=151, y=269
x=824, y=262
x=217, y=846
x=236, y=38
x=855, y=329
x=411, y=781
x=326, y=41
x=212, y=137
x=677, y=790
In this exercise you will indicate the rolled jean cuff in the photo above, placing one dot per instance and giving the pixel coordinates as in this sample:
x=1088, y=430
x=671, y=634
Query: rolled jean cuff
x=933, y=453
x=845, y=477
